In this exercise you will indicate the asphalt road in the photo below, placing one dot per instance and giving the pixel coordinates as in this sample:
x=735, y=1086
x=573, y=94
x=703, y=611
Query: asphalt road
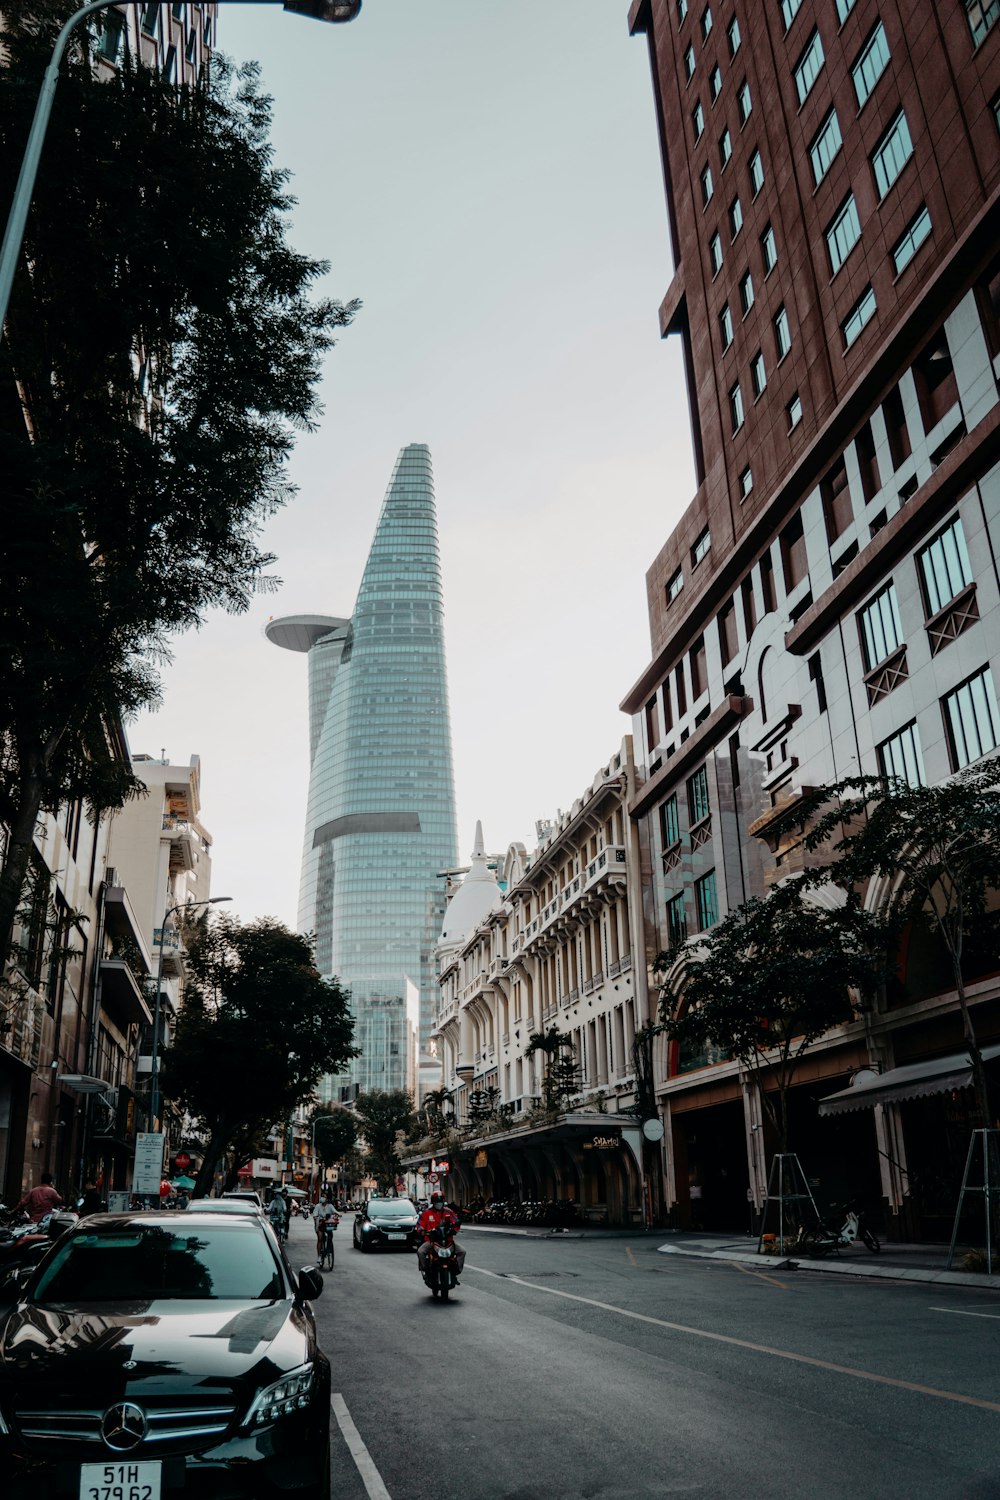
x=569, y=1369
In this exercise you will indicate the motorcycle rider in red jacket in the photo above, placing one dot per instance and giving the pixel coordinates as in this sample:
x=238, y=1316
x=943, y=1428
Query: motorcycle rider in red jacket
x=438, y=1213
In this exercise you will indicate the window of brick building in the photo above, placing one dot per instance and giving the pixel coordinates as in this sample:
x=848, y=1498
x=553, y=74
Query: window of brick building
x=735, y=218
x=701, y=548
x=982, y=16
x=715, y=82
x=768, y=250
x=676, y=920
x=736, y=412
x=725, y=327
x=150, y=16
x=674, y=585
x=652, y=723
x=733, y=37
x=697, y=796
x=689, y=61
x=725, y=148
x=698, y=662
x=900, y=757
x=680, y=689
x=794, y=562
x=698, y=121
x=836, y=497
x=768, y=594
x=746, y=482
x=706, y=23
x=682, y=10
x=891, y=154
x=715, y=254
x=844, y=8
x=744, y=102
x=859, y=317
x=972, y=720
x=934, y=377
x=794, y=411
x=670, y=824
x=807, y=69
x=896, y=429
x=729, y=641
x=756, y=173
x=824, y=146
x=749, y=606
x=707, y=186
x=789, y=10
x=864, y=450
x=871, y=64
x=879, y=628
x=782, y=333
x=758, y=374
x=843, y=233
x=746, y=293
x=913, y=236
x=944, y=567
x=706, y=901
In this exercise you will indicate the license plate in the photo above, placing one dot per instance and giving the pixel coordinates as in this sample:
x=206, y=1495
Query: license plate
x=122, y=1481
x=392, y=1236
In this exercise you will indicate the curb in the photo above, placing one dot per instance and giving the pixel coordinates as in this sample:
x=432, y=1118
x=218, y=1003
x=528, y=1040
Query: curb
x=871, y=1272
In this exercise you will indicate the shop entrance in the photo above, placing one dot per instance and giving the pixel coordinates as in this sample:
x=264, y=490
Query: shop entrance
x=711, y=1168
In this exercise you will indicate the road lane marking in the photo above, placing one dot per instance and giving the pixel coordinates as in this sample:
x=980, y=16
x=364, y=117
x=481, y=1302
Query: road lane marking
x=761, y=1275
x=628, y=1252
x=370, y=1476
x=960, y=1312
x=725, y=1338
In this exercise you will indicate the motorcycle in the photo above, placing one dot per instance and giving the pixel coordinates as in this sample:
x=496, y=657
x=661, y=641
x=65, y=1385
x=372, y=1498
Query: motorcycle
x=440, y=1273
x=826, y=1236
x=29, y=1242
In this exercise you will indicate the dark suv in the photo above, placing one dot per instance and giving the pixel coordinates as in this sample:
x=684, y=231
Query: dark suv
x=159, y=1355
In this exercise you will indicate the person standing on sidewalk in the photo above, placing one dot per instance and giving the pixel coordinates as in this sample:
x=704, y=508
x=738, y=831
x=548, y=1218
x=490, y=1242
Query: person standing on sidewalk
x=39, y=1201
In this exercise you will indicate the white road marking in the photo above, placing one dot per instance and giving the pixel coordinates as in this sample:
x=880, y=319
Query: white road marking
x=370, y=1476
x=960, y=1312
x=725, y=1338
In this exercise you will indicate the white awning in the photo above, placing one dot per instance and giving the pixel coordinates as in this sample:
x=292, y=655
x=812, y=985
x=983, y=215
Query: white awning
x=939, y=1075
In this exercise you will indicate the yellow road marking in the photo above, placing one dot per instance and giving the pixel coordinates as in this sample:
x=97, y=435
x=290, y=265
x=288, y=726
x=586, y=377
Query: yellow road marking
x=760, y=1275
x=628, y=1252
x=725, y=1338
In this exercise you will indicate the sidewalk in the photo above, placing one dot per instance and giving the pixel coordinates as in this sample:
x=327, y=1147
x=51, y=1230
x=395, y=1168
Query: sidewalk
x=897, y=1262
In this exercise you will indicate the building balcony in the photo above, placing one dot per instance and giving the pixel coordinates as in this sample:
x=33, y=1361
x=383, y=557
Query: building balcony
x=183, y=840
x=122, y=924
x=121, y=995
x=169, y=942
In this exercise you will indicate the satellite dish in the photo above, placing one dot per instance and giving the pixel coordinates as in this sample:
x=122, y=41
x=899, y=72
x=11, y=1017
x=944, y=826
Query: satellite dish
x=653, y=1130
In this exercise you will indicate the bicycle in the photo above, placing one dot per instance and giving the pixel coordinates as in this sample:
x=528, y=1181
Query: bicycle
x=819, y=1239
x=326, y=1249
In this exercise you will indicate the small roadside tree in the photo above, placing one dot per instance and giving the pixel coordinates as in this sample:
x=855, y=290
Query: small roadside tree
x=259, y=1028
x=937, y=848
x=768, y=981
x=384, y=1114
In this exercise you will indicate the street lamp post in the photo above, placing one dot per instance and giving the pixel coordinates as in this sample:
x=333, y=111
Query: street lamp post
x=320, y=10
x=154, y=1060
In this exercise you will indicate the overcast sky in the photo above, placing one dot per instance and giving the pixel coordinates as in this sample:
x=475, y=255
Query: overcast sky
x=485, y=176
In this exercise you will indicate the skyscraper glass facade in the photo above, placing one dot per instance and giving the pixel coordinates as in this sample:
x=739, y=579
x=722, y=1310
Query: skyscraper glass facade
x=380, y=822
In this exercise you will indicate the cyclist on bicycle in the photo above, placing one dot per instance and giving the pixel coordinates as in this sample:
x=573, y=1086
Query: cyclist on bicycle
x=277, y=1212
x=326, y=1213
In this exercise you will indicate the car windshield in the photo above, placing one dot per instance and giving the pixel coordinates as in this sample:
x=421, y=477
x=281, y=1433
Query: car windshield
x=148, y=1263
x=390, y=1207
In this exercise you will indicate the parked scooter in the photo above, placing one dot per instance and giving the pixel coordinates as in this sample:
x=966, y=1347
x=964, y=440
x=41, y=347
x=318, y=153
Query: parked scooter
x=29, y=1242
x=440, y=1273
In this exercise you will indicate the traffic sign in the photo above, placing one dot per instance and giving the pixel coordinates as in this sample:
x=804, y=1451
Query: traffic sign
x=434, y=1178
x=182, y=1160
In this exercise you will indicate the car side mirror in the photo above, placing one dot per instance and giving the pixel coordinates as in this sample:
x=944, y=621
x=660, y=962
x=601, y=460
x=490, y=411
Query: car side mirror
x=310, y=1283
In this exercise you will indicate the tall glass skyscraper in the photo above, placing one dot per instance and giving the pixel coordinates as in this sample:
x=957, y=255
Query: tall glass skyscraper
x=380, y=822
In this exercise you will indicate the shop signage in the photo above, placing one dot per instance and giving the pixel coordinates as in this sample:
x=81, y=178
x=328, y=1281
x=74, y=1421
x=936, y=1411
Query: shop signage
x=439, y=1166
x=605, y=1142
x=481, y=1158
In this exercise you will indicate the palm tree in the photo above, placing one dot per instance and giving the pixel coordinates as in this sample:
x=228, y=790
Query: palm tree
x=551, y=1043
x=434, y=1103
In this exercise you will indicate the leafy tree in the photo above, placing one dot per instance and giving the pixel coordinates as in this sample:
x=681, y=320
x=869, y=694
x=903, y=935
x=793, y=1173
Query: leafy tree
x=336, y=1132
x=938, y=850
x=163, y=346
x=484, y=1105
x=561, y=1077
x=384, y=1114
x=768, y=981
x=259, y=1028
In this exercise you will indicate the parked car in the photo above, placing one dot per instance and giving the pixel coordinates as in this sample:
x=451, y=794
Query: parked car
x=154, y=1355
x=388, y=1222
x=243, y=1195
x=224, y=1206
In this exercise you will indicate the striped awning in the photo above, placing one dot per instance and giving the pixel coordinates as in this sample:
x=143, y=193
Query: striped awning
x=938, y=1075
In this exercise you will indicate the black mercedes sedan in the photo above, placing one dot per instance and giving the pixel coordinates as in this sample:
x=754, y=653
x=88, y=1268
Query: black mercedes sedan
x=389, y=1223
x=156, y=1355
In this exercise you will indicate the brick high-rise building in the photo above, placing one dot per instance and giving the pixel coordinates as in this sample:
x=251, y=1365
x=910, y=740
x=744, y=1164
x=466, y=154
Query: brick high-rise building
x=830, y=601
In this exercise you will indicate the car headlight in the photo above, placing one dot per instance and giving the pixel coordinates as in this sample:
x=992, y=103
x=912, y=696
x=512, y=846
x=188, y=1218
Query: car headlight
x=285, y=1396
x=367, y=1228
